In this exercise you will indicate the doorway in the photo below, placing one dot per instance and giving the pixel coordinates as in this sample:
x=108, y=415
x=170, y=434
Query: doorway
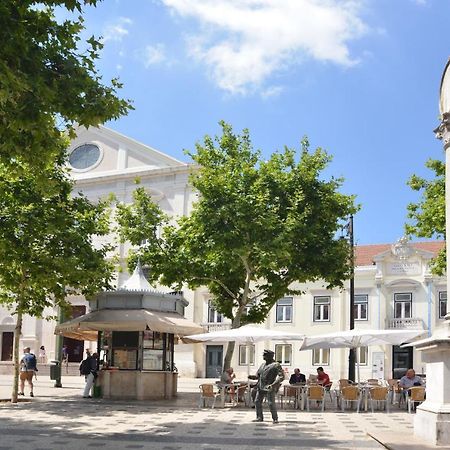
x=75, y=348
x=214, y=358
x=7, y=345
x=402, y=360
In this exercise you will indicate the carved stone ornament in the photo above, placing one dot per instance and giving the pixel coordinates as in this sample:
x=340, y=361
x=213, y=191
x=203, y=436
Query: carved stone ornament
x=442, y=132
x=401, y=249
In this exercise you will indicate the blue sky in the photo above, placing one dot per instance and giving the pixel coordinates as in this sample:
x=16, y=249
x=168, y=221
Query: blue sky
x=360, y=78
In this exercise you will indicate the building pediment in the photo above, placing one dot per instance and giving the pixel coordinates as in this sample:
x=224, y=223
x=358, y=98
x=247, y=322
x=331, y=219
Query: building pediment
x=101, y=152
x=402, y=250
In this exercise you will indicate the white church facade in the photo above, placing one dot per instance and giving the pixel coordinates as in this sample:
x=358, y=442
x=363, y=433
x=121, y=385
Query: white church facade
x=394, y=287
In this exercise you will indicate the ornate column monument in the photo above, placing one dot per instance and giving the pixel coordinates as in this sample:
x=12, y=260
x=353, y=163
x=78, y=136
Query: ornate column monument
x=432, y=421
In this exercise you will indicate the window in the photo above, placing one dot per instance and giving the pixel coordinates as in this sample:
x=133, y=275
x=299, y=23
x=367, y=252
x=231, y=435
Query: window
x=213, y=315
x=361, y=307
x=442, y=304
x=284, y=309
x=85, y=156
x=246, y=355
x=322, y=307
x=363, y=355
x=403, y=306
x=321, y=357
x=283, y=353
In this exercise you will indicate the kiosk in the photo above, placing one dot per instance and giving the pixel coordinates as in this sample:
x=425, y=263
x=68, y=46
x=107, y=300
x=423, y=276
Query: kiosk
x=136, y=329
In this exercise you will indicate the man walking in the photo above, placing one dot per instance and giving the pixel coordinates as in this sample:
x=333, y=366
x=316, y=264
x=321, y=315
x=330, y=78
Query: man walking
x=27, y=370
x=270, y=375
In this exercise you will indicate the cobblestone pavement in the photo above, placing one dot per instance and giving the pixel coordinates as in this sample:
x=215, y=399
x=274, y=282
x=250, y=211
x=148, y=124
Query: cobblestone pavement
x=61, y=419
x=79, y=424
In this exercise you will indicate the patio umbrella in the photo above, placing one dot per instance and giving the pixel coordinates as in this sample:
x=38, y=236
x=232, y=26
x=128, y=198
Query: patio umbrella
x=244, y=335
x=359, y=338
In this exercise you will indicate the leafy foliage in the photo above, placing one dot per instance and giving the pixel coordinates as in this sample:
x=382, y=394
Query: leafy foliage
x=48, y=84
x=45, y=75
x=428, y=215
x=257, y=227
x=46, y=242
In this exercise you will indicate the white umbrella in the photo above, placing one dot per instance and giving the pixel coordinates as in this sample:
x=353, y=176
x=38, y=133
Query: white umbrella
x=245, y=335
x=359, y=338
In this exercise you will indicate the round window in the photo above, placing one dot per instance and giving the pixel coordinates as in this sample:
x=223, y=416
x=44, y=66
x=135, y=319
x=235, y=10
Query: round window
x=84, y=156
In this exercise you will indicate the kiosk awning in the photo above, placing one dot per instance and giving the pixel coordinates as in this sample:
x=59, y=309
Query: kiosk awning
x=86, y=327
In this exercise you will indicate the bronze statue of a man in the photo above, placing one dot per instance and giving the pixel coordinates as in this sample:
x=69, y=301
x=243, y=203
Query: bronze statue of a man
x=270, y=375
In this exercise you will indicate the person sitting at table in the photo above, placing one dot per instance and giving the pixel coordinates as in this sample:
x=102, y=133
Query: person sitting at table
x=323, y=378
x=228, y=376
x=409, y=380
x=226, y=380
x=297, y=377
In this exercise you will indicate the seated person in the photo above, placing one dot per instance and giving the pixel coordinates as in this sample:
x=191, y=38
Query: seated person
x=323, y=378
x=227, y=377
x=297, y=377
x=410, y=380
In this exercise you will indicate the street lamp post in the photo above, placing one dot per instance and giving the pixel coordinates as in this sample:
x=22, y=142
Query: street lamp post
x=351, y=354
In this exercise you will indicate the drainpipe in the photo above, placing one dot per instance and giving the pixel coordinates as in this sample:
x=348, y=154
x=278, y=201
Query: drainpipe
x=429, y=284
x=379, y=305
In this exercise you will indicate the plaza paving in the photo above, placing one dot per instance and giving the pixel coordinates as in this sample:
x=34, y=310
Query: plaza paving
x=58, y=418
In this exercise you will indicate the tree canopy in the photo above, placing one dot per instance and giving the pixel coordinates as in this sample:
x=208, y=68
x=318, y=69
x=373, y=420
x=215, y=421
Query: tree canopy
x=258, y=226
x=48, y=85
x=48, y=81
x=428, y=215
x=46, y=245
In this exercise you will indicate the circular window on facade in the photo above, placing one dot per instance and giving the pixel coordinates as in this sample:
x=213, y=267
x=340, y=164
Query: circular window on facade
x=84, y=156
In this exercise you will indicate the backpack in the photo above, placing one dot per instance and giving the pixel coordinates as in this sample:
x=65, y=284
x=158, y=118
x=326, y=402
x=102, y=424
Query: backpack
x=29, y=362
x=85, y=367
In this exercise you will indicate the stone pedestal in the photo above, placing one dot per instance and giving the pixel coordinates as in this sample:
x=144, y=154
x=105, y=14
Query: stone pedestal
x=432, y=420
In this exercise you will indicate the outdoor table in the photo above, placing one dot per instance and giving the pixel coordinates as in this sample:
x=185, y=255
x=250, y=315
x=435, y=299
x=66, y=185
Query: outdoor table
x=301, y=394
x=224, y=389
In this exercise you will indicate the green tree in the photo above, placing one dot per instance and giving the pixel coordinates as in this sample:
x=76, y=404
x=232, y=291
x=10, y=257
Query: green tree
x=46, y=246
x=428, y=215
x=48, y=81
x=257, y=227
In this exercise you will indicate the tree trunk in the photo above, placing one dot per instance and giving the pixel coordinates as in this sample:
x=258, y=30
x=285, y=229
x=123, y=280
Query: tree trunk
x=228, y=355
x=17, y=334
x=236, y=323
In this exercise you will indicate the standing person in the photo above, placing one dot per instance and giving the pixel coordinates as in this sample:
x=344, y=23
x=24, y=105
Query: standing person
x=27, y=370
x=297, y=377
x=270, y=375
x=42, y=355
x=88, y=368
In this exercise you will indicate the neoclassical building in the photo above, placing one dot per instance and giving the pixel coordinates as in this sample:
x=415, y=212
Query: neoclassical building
x=394, y=287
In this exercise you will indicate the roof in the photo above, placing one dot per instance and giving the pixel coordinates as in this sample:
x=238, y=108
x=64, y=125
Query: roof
x=364, y=254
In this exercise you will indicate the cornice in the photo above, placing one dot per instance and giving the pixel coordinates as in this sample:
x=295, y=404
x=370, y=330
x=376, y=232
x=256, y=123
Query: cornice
x=130, y=174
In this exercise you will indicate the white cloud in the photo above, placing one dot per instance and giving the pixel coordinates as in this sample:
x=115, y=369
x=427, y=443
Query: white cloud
x=116, y=31
x=272, y=91
x=153, y=54
x=244, y=42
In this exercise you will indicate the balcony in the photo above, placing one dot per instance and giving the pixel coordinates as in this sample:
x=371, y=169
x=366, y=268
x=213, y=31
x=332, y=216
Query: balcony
x=398, y=324
x=215, y=326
